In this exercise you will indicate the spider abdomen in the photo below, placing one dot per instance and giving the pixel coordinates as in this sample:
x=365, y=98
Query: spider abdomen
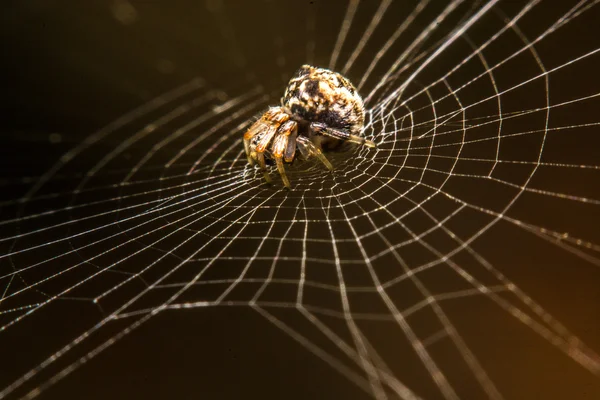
x=323, y=96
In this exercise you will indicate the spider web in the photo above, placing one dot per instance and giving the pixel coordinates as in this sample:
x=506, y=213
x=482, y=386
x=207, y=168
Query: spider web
x=459, y=259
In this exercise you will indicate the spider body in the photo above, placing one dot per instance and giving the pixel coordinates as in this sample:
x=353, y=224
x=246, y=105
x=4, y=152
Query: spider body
x=320, y=95
x=320, y=109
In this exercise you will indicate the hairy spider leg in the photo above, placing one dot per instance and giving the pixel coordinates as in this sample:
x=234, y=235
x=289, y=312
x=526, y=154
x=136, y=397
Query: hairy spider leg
x=280, y=145
x=290, y=151
x=273, y=120
x=263, y=142
x=308, y=149
x=323, y=129
x=250, y=133
x=273, y=116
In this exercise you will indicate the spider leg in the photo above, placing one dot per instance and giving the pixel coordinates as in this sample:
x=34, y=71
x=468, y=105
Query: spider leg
x=264, y=130
x=290, y=150
x=250, y=133
x=263, y=142
x=258, y=137
x=260, y=157
x=341, y=134
x=281, y=145
x=308, y=149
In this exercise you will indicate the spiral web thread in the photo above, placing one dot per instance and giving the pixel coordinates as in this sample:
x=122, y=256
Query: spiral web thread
x=481, y=142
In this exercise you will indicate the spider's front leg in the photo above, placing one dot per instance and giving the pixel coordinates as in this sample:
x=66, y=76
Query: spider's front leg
x=260, y=134
x=256, y=127
x=284, y=146
x=322, y=129
x=261, y=146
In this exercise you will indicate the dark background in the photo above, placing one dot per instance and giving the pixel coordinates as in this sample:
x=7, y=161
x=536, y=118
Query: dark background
x=70, y=68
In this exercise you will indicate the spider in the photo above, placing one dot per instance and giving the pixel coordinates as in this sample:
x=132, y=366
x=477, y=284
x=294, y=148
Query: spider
x=319, y=110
